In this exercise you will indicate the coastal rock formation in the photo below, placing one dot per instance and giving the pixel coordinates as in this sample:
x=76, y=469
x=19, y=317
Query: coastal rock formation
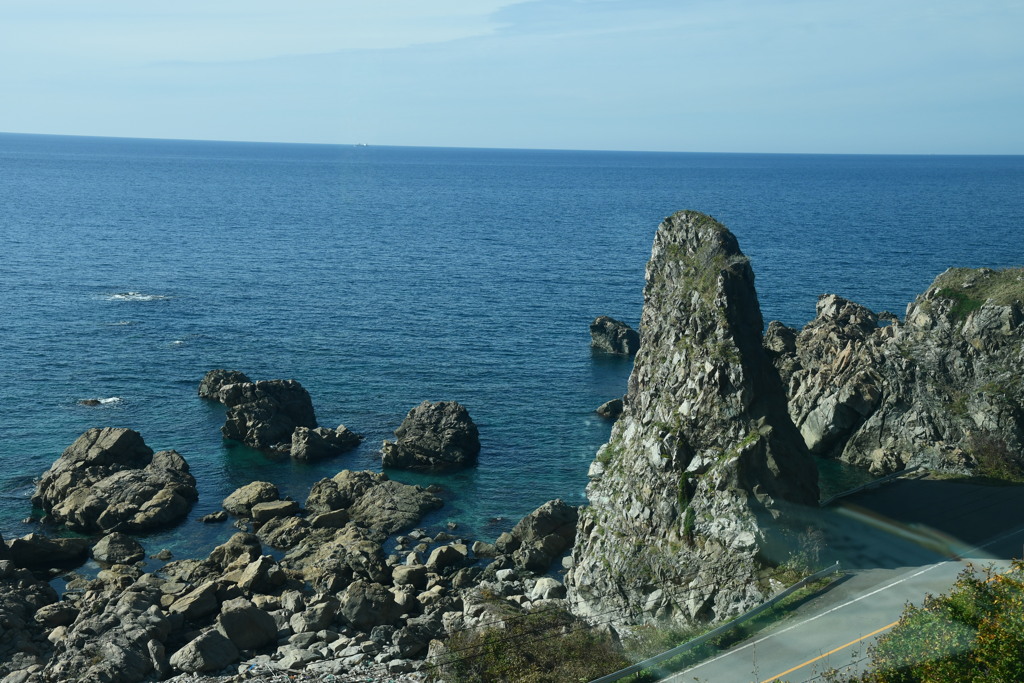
x=433, y=436
x=942, y=390
x=319, y=443
x=541, y=536
x=264, y=414
x=613, y=336
x=110, y=480
x=372, y=499
x=215, y=380
x=610, y=409
x=689, y=496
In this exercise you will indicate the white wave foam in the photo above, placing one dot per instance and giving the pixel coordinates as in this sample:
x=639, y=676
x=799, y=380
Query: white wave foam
x=122, y=323
x=136, y=296
x=113, y=400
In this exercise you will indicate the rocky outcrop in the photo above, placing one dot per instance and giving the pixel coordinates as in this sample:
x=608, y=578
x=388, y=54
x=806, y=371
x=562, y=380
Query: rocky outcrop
x=118, y=548
x=319, y=443
x=541, y=536
x=241, y=501
x=942, y=389
x=215, y=380
x=110, y=480
x=372, y=499
x=614, y=336
x=610, y=409
x=435, y=437
x=264, y=414
x=692, y=489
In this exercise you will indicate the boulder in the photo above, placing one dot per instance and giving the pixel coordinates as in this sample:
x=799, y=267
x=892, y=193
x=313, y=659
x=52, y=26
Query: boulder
x=241, y=501
x=434, y=437
x=197, y=603
x=245, y=625
x=264, y=512
x=211, y=651
x=36, y=551
x=215, y=380
x=285, y=532
x=371, y=499
x=237, y=551
x=118, y=548
x=610, y=409
x=110, y=480
x=320, y=442
x=367, y=605
x=263, y=415
x=614, y=336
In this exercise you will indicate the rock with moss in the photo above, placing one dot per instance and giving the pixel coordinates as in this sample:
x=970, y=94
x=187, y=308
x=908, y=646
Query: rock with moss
x=942, y=389
x=690, y=495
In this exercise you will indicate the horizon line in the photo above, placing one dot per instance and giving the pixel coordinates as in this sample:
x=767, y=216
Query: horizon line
x=510, y=149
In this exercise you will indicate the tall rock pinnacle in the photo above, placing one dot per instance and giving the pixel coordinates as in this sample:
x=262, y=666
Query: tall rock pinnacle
x=689, y=495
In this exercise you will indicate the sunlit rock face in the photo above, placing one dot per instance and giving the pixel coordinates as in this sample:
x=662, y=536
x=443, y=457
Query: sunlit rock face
x=689, y=498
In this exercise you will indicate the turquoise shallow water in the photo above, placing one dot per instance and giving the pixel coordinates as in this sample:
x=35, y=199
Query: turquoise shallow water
x=380, y=277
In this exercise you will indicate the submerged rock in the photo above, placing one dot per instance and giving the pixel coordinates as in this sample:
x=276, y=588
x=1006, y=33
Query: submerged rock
x=434, y=436
x=614, y=336
x=110, y=480
x=696, y=479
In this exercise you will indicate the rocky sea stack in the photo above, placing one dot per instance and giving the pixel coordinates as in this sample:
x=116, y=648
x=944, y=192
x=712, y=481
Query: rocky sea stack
x=688, y=496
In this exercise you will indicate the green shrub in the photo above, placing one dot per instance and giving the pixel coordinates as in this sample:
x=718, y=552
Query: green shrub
x=546, y=646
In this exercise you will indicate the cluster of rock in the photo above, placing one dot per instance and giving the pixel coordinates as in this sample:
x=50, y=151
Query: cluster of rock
x=334, y=604
x=110, y=480
x=942, y=389
x=434, y=437
x=687, y=494
x=274, y=415
x=614, y=336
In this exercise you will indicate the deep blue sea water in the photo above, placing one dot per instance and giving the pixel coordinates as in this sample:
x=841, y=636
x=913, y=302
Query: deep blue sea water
x=381, y=276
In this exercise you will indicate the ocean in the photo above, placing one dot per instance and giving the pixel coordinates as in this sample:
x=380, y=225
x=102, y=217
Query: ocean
x=379, y=277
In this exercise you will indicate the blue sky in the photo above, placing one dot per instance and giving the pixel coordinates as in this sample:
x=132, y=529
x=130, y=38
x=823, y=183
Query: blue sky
x=872, y=76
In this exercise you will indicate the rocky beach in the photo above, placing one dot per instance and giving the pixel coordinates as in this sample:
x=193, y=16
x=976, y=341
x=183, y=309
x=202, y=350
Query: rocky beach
x=694, y=503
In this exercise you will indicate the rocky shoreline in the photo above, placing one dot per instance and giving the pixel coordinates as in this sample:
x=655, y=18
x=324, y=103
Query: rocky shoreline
x=694, y=502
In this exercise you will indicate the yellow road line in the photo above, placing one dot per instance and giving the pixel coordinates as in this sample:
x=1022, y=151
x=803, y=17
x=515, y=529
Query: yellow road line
x=820, y=657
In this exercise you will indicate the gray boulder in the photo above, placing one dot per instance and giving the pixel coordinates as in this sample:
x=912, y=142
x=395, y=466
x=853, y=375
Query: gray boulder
x=434, y=437
x=110, y=480
x=264, y=512
x=610, y=409
x=319, y=443
x=210, y=651
x=118, y=548
x=242, y=500
x=215, y=380
x=367, y=605
x=36, y=551
x=264, y=414
x=245, y=625
x=614, y=336
x=371, y=499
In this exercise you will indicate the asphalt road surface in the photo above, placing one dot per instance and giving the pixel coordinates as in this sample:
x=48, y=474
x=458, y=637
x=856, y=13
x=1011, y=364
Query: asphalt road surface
x=897, y=543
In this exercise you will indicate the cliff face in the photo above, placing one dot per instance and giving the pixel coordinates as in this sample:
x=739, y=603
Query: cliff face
x=704, y=455
x=943, y=389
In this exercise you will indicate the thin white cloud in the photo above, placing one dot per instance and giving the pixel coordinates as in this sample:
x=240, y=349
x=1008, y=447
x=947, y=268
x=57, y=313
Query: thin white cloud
x=231, y=30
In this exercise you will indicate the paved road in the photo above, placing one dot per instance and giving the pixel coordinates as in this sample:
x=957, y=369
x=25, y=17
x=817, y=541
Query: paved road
x=894, y=558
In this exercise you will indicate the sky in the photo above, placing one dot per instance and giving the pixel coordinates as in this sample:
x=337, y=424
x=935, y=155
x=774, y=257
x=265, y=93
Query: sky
x=796, y=76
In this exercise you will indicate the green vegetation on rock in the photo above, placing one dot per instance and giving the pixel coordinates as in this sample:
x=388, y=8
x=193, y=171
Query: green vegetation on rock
x=969, y=289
